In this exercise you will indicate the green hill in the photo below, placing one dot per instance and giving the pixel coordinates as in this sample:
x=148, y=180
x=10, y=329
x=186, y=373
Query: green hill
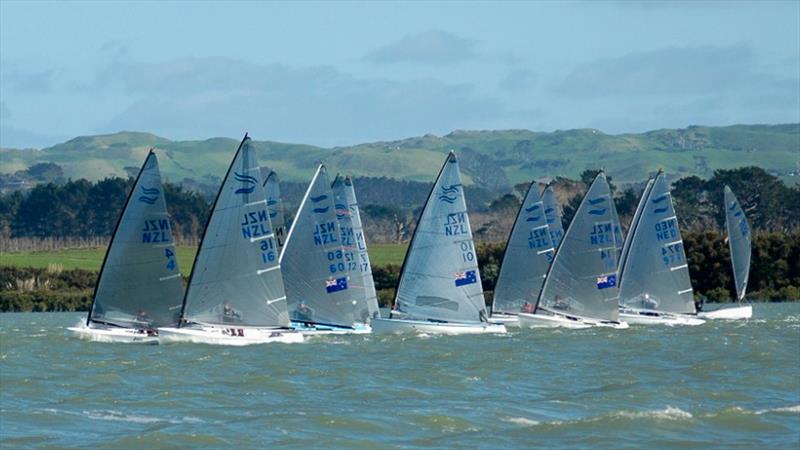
x=496, y=158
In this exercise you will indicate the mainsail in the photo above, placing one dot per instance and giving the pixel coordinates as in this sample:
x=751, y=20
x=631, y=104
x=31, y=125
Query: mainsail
x=528, y=254
x=272, y=191
x=140, y=283
x=655, y=275
x=236, y=278
x=582, y=279
x=355, y=246
x=634, y=222
x=440, y=279
x=315, y=269
x=553, y=213
x=739, y=240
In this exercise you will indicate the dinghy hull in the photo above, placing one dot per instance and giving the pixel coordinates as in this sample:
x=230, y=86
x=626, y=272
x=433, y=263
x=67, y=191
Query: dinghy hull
x=233, y=336
x=527, y=320
x=658, y=318
x=312, y=329
x=509, y=320
x=733, y=313
x=115, y=335
x=399, y=326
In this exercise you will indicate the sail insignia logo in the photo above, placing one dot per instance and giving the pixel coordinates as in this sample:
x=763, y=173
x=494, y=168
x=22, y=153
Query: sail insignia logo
x=449, y=193
x=597, y=212
x=595, y=202
x=148, y=196
x=342, y=211
x=533, y=219
x=248, y=183
x=532, y=208
x=658, y=200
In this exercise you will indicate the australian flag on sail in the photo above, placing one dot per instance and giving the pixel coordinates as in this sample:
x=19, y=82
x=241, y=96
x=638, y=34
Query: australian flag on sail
x=606, y=281
x=336, y=285
x=465, y=278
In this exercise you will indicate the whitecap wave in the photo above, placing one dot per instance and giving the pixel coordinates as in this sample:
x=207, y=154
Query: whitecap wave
x=525, y=422
x=790, y=409
x=668, y=413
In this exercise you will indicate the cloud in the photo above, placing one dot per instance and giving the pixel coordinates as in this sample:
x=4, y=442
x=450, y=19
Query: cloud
x=190, y=98
x=28, y=81
x=519, y=80
x=428, y=47
x=671, y=71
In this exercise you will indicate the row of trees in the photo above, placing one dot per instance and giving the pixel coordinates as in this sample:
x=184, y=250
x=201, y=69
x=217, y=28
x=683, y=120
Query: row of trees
x=775, y=275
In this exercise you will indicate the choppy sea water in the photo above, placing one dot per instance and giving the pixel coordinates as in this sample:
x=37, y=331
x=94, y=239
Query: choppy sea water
x=723, y=384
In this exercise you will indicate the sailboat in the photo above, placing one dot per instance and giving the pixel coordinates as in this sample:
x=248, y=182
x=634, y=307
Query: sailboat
x=529, y=252
x=272, y=191
x=355, y=246
x=139, y=287
x=739, y=242
x=235, y=294
x=440, y=290
x=321, y=289
x=654, y=275
x=580, y=288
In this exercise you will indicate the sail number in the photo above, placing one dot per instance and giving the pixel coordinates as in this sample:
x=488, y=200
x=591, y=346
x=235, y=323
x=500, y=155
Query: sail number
x=672, y=254
x=268, y=251
x=667, y=230
x=467, y=252
x=339, y=261
x=537, y=238
x=456, y=224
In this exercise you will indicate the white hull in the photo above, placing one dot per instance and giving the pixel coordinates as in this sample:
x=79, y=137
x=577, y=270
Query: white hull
x=527, y=320
x=114, y=335
x=322, y=330
x=730, y=313
x=659, y=318
x=397, y=326
x=505, y=319
x=235, y=336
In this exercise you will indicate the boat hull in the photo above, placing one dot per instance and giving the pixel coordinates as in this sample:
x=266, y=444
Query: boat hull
x=399, y=326
x=528, y=320
x=509, y=320
x=233, y=336
x=309, y=329
x=115, y=335
x=732, y=313
x=659, y=318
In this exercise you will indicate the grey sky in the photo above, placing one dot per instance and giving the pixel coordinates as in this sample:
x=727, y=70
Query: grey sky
x=343, y=73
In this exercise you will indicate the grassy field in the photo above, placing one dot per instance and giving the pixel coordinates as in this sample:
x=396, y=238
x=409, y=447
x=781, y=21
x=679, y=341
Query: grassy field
x=92, y=258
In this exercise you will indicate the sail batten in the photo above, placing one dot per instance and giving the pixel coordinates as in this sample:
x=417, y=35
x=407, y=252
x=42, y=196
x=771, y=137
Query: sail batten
x=655, y=274
x=235, y=279
x=527, y=257
x=440, y=279
x=582, y=280
x=739, y=241
x=139, y=283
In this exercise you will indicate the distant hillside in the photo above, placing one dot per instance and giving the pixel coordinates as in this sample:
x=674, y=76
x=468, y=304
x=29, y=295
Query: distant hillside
x=496, y=159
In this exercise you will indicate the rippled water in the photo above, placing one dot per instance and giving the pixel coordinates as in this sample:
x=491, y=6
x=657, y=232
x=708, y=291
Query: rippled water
x=724, y=384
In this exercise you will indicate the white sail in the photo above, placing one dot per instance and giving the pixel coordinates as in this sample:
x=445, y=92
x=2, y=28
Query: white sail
x=528, y=255
x=739, y=241
x=553, y=213
x=236, y=278
x=655, y=275
x=440, y=280
x=318, y=281
x=355, y=245
x=582, y=279
x=636, y=216
x=140, y=284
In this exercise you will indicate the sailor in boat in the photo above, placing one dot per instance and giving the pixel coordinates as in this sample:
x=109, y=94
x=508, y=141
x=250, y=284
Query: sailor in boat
x=146, y=324
x=561, y=304
x=230, y=315
x=527, y=307
x=304, y=313
x=649, y=303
